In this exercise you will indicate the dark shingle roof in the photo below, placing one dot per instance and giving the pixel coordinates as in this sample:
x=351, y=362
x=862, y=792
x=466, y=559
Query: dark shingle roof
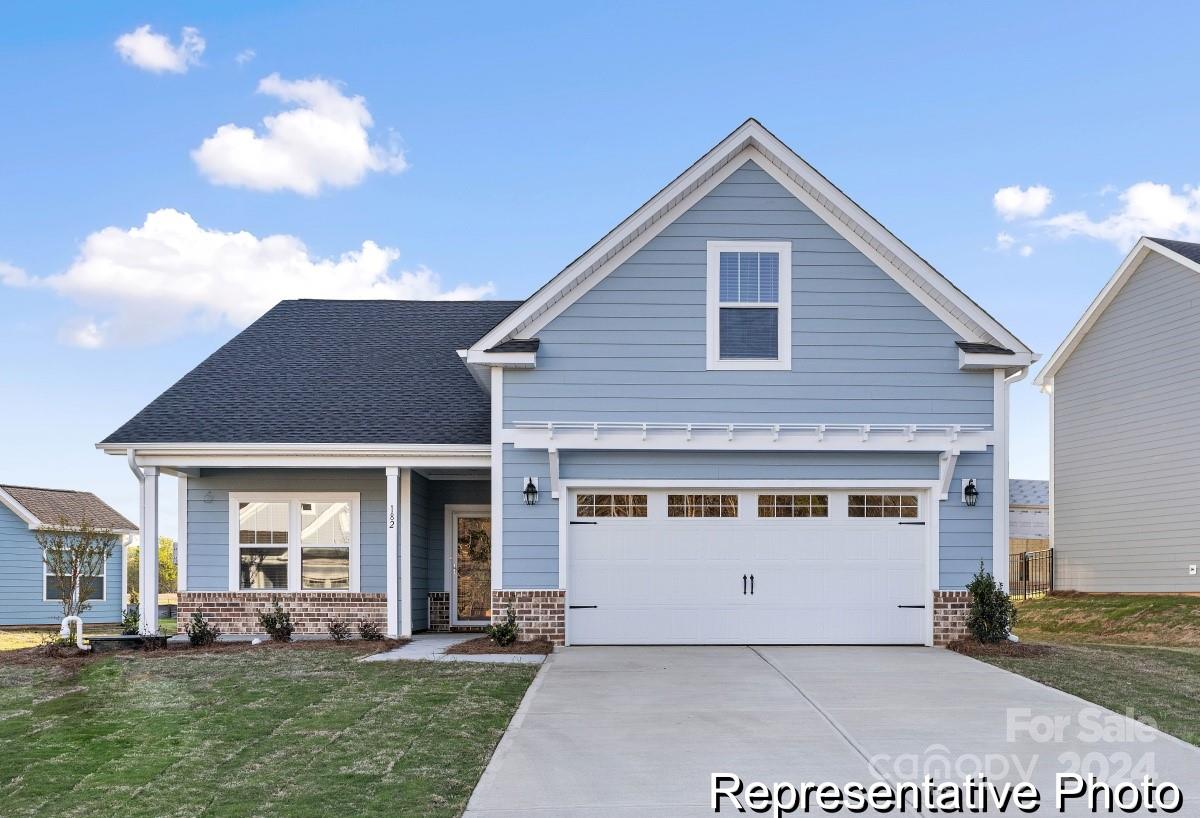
x=52, y=506
x=1187, y=249
x=975, y=346
x=517, y=345
x=1029, y=492
x=333, y=372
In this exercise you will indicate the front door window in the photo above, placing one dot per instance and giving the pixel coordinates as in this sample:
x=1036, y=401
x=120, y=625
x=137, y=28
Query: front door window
x=473, y=568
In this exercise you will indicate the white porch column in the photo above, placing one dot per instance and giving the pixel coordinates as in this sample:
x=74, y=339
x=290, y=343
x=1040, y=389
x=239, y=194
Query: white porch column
x=405, y=552
x=181, y=539
x=393, y=561
x=148, y=565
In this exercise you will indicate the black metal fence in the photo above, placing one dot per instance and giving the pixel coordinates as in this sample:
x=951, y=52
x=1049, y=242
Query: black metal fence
x=1031, y=574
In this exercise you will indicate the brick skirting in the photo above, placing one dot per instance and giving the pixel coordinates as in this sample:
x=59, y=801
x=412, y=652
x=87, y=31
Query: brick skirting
x=311, y=611
x=949, y=616
x=439, y=611
x=541, y=613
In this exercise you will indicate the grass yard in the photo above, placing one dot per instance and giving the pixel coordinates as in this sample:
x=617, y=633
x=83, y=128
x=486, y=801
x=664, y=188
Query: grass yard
x=1161, y=684
x=1138, y=654
x=1158, y=620
x=16, y=638
x=290, y=730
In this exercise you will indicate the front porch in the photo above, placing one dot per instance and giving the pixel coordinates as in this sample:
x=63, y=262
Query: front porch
x=405, y=547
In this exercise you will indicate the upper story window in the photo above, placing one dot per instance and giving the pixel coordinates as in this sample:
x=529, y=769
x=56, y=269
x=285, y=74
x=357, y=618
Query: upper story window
x=749, y=305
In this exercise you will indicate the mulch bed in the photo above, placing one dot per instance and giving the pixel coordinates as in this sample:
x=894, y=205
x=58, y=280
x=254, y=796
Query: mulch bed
x=484, y=644
x=1016, y=650
x=45, y=655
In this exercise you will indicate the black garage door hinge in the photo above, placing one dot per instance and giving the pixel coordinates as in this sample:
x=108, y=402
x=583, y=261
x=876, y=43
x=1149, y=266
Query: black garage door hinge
x=583, y=522
x=910, y=606
x=910, y=522
x=573, y=607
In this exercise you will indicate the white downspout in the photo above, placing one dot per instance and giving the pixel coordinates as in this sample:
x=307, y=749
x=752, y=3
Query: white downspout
x=148, y=554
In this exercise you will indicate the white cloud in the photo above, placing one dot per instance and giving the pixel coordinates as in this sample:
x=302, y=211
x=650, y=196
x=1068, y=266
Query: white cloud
x=1015, y=202
x=1147, y=209
x=322, y=141
x=244, y=56
x=153, y=52
x=13, y=276
x=1007, y=242
x=171, y=275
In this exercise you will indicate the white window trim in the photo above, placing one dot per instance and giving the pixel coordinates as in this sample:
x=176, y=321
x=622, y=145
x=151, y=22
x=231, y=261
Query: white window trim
x=293, y=499
x=103, y=584
x=713, y=304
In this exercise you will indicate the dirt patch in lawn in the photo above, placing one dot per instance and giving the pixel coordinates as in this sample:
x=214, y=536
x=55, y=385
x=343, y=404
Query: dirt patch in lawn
x=1012, y=650
x=484, y=645
x=1161, y=620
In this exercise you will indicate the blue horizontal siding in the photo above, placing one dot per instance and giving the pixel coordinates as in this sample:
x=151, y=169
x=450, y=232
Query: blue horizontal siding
x=208, y=518
x=633, y=347
x=21, y=580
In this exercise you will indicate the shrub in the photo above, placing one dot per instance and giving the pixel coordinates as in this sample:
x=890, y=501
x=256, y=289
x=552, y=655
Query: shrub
x=505, y=633
x=129, y=620
x=990, y=613
x=200, y=631
x=370, y=630
x=277, y=623
x=339, y=631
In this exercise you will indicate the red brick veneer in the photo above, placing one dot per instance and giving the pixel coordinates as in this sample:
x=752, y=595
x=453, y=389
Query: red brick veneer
x=949, y=616
x=311, y=610
x=439, y=611
x=541, y=613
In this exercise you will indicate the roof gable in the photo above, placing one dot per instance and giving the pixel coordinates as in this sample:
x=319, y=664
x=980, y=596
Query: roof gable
x=39, y=507
x=752, y=142
x=1181, y=252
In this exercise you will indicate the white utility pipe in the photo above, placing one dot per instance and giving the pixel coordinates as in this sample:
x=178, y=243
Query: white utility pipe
x=65, y=631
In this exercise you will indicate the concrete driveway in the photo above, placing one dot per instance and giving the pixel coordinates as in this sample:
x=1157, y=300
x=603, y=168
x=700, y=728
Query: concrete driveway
x=639, y=731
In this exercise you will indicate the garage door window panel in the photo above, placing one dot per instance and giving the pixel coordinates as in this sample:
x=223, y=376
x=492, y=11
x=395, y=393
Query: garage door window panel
x=702, y=505
x=884, y=506
x=793, y=505
x=589, y=506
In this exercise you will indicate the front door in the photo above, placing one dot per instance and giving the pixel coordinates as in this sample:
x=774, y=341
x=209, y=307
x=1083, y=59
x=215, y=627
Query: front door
x=471, y=585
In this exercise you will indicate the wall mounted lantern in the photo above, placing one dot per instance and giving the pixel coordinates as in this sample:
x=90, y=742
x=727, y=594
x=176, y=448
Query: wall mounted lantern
x=970, y=494
x=530, y=492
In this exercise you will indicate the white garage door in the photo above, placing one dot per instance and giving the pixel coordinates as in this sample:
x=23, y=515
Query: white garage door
x=736, y=566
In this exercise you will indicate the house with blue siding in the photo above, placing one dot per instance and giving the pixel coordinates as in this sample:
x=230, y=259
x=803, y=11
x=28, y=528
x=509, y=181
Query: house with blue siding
x=748, y=414
x=29, y=593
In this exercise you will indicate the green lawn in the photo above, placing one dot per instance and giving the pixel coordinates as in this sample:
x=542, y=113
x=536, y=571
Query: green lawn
x=1161, y=684
x=296, y=730
x=1158, y=620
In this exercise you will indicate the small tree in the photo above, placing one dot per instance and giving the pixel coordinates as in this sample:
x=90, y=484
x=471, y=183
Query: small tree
x=990, y=613
x=75, y=554
x=168, y=571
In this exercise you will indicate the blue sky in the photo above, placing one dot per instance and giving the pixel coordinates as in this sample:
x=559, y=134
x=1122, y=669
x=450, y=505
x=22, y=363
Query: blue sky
x=525, y=132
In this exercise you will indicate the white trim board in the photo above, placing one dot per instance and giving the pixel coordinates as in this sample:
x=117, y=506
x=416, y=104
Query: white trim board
x=1130, y=265
x=752, y=141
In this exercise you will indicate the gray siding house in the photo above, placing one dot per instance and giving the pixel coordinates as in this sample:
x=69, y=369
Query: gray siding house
x=748, y=414
x=29, y=593
x=1125, y=370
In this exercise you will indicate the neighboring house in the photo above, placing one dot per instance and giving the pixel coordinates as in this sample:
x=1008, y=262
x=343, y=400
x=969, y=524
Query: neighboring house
x=1125, y=448
x=746, y=415
x=29, y=595
x=1028, y=515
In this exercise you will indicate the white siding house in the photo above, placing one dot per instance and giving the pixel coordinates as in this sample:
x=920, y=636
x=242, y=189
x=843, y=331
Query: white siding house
x=1125, y=447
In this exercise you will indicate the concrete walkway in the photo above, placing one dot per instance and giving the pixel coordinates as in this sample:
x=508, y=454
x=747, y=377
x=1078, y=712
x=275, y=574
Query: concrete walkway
x=431, y=647
x=625, y=732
